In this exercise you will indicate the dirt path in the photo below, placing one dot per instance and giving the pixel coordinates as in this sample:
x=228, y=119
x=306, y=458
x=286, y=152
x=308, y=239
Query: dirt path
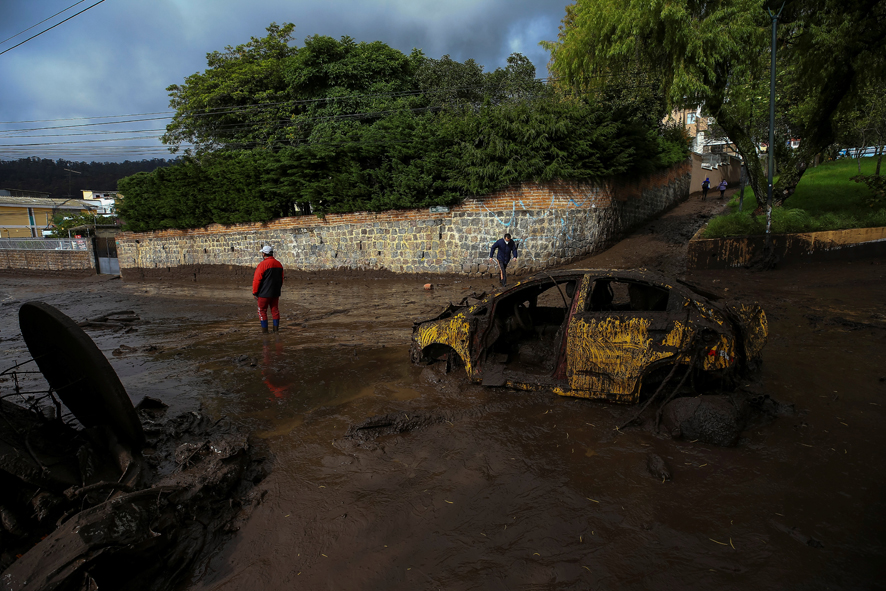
x=659, y=245
x=505, y=490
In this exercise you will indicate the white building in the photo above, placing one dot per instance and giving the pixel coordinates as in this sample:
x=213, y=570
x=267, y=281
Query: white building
x=104, y=201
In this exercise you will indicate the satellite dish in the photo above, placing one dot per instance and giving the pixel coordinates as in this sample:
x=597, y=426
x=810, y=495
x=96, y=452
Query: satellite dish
x=78, y=371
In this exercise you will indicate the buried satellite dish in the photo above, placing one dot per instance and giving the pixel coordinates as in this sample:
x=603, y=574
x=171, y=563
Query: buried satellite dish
x=79, y=372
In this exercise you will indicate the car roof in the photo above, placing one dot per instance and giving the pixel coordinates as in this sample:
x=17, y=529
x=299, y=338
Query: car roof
x=643, y=275
x=633, y=274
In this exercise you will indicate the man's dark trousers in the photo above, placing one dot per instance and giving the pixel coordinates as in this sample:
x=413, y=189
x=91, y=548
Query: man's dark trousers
x=503, y=265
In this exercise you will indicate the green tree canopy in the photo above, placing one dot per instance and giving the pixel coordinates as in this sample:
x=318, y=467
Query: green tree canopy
x=716, y=53
x=338, y=126
x=269, y=93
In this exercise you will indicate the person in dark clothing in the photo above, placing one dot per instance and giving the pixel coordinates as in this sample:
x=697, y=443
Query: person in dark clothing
x=705, y=185
x=506, y=248
x=266, y=285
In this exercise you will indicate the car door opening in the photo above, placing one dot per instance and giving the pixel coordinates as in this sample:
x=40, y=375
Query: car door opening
x=528, y=329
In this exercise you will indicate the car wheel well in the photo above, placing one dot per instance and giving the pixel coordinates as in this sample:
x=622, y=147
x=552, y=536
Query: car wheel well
x=439, y=351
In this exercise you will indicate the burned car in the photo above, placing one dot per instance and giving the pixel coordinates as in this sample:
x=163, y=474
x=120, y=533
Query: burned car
x=593, y=334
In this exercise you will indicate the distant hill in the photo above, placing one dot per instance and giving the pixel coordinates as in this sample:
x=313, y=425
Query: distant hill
x=49, y=176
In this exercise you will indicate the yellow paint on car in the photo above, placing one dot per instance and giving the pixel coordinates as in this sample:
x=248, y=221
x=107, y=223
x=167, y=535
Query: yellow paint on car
x=609, y=353
x=454, y=332
x=607, y=356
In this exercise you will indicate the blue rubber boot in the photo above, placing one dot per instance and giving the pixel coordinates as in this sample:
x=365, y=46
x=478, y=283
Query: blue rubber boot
x=264, y=326
x=277, y=325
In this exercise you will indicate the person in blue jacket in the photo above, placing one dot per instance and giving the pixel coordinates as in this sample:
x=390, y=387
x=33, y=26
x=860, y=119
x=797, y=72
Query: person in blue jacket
x=506, y=248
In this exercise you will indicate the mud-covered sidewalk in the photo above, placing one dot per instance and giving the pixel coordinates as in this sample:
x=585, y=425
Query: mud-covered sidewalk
x=486, y=488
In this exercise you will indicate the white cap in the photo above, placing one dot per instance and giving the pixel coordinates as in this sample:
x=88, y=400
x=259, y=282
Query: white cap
x=267, y=249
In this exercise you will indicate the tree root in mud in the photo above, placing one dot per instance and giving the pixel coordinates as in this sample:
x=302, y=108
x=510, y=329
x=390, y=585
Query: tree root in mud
x=198, y=481
x=364, y=434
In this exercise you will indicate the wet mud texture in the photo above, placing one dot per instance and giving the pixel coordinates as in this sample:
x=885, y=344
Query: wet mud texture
x=69, y=524
x=486, y=488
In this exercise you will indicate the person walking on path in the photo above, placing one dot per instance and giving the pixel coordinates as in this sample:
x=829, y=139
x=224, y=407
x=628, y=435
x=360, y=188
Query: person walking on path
x=505, y=247
x=705, y=185
x=722, y=188
x=266, y=285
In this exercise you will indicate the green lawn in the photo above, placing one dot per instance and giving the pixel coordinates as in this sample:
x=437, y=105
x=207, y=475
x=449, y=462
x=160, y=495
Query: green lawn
x=826, y=199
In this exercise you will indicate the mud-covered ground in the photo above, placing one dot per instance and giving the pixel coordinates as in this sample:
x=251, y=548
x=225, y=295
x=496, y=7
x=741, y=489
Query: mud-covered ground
x=495, y=489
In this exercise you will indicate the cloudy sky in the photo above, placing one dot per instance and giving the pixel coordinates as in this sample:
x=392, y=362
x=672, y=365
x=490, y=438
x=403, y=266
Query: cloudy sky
x=117, y=58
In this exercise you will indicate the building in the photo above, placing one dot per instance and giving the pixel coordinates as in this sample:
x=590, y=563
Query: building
x=714, y=156
x=705, y=137
x=25, y=214
x=103, y=200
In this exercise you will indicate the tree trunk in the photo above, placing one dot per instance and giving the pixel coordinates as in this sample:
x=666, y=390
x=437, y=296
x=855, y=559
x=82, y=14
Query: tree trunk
x=757, y=180
x=792, y=172
x=879, y=159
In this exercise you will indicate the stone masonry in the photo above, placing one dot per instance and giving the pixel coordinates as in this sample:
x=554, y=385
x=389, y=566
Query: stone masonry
x=553, y=223
x=77, y=262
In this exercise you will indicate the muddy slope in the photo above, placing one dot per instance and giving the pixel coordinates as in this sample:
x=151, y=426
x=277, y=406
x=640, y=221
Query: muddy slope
x=453, y=486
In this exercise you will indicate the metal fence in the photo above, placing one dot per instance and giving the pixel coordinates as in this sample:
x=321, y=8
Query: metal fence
x=42, y=244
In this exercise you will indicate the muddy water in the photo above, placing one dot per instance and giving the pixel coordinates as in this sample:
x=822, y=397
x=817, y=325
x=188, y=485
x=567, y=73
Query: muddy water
x=514, y=490
x=510, y=490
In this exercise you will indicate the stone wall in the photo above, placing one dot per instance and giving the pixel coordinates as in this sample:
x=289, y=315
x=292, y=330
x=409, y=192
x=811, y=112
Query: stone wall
x=747, y=251
x=78, y=262
x=553, y=223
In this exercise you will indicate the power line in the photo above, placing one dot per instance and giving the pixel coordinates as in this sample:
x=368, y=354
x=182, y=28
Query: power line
x=259, y=106
x=241, y=109
x=268, y=128
x=52, y=27
x=85, y=118
x=41, y=22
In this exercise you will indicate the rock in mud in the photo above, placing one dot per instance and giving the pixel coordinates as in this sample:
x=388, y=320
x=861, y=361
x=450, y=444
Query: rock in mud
x=430, y=375
x=711, y=419
x=656, y=466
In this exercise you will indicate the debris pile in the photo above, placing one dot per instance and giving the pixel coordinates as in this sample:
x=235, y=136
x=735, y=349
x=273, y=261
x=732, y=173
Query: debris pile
x=123, y=320
x=122, y=497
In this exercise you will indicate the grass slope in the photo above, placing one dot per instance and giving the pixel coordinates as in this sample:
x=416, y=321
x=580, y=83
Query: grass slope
x=826, y=199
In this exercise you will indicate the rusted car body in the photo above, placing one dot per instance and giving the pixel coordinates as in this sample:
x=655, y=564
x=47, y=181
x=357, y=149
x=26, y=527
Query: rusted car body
x=592, y=333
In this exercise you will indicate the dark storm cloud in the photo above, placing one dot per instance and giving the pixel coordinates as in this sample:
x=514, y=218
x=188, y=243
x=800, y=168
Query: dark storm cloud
x=119, y=57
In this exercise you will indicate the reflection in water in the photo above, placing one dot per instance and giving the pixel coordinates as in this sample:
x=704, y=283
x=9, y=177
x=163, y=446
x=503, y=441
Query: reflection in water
x=272, y=357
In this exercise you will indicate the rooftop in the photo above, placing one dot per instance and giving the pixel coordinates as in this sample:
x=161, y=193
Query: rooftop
x=54, y=203
x=22, y=193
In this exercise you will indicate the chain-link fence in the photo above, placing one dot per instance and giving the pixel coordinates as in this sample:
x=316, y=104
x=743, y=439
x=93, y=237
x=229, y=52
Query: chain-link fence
x=42, y=244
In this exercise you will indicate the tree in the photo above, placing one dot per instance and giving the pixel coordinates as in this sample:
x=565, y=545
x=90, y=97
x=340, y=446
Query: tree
x=270, y=94
x=241, y=96
x=865, y=125
x=364, y=127
x=61, y=224
x=716, y=53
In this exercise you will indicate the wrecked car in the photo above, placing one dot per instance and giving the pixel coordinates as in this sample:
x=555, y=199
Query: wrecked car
x=593, y=334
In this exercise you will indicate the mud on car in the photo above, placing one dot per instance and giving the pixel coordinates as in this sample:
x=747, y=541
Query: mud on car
x=593, y=334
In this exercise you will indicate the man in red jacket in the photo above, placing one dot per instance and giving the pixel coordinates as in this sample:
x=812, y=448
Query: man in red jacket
x=266, y=285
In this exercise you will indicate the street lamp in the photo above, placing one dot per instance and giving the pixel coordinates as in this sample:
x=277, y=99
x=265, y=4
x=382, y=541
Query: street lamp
x=774, y=19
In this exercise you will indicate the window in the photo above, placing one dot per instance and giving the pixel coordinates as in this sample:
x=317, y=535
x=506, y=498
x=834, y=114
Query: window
x=690, y=118
x=609, y=295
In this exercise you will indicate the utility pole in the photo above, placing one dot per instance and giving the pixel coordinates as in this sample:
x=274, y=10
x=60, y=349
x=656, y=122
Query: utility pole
x=69, y=171
x=774, y=19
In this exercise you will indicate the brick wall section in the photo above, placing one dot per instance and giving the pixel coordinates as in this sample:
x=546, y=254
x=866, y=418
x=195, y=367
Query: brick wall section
x=48, y=260
x=553, y=223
